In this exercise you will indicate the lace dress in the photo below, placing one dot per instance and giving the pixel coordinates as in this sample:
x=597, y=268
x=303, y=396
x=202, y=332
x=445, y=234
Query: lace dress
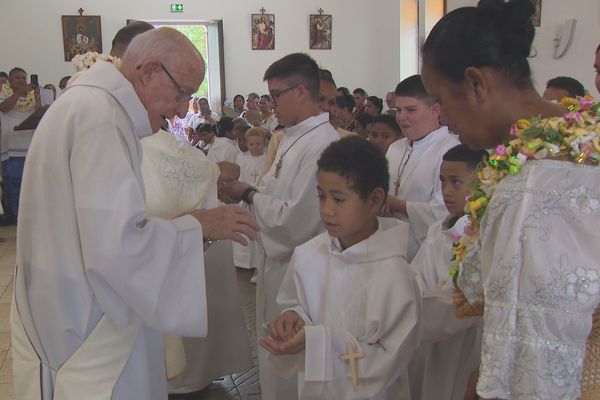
x=536, y=265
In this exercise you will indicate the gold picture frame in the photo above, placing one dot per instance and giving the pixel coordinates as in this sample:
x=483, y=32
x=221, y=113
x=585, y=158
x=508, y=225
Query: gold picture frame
x=81, y=34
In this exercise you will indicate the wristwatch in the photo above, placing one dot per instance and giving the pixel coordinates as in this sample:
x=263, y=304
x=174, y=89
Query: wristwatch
x=247, y=192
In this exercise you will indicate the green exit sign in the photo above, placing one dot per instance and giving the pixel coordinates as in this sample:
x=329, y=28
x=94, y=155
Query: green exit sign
x=176, y=7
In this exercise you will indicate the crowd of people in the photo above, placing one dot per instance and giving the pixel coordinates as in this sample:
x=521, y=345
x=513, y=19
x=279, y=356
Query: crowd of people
x=442, y=246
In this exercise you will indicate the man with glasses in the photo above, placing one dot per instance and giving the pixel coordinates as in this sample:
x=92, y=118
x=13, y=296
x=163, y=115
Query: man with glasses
x=98, y=280
x=286, y=208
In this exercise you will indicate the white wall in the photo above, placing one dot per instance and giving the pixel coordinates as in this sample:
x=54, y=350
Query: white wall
x=365, y=36
x=578, y=62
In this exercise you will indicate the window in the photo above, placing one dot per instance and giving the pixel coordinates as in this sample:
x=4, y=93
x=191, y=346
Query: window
x=207, y=36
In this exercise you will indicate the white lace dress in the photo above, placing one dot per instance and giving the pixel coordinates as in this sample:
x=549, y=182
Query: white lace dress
x=537, y=265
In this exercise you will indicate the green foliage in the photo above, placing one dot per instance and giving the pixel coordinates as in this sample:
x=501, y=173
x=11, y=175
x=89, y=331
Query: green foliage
x=198, y=35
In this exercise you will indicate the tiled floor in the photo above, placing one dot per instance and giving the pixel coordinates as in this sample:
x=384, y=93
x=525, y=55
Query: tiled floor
x=7, y=269
x=239, y=386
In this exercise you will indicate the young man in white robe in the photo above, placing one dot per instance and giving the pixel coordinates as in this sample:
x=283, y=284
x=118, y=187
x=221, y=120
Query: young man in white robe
x=349, y=289
x=94, y=270
x=414, y=161
x=286, y=206
x=452, y=346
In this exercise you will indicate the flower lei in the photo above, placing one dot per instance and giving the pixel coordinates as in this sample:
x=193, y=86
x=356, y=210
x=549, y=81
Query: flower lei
x=23, y=104
x=575, y=136
x=85, y=61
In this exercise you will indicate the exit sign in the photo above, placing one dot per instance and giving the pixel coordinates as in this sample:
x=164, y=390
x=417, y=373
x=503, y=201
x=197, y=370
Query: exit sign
x=176, y=7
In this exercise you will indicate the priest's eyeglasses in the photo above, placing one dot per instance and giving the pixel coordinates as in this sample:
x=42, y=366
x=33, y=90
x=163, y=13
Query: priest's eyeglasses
x=276, y=93
x=182, y=93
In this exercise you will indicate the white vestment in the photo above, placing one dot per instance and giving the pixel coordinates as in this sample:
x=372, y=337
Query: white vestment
x=416, y=165
x=179, y=178
x=287, y=211
x=88, y=251
x=536, y=266
x=223, y=149
x=365, y=295
x=451, y=346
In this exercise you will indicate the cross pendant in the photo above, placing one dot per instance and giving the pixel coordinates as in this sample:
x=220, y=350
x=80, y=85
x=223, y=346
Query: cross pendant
x=278, y=167
x=351, y=356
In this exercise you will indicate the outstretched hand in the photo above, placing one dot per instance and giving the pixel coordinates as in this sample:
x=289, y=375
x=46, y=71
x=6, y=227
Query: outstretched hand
x=285, y=326
x=280, y=347
x=227, y=222
x=287, y=334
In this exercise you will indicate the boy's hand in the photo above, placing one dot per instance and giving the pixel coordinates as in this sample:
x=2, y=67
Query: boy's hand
x=285, y=326
x=292, y=346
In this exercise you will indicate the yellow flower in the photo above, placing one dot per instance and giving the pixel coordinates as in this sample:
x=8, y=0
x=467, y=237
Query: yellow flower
x=568, y=102
x=523, y=124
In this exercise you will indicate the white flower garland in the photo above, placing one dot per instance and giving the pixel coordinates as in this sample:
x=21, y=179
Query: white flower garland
x=85, y=61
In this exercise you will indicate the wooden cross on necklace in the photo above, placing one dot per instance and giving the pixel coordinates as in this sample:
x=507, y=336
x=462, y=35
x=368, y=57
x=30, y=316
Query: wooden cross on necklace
x=278, y=167
x=397, y=186
x=351, y=356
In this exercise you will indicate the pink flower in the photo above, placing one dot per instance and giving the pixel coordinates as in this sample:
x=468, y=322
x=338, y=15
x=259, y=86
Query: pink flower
x=513, y=131
x=501, y=150
x=573, y=115
x=585, y=102
x=455, y=236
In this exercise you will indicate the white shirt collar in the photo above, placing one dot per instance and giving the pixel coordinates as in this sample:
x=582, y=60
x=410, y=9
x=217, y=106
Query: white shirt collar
x=304, y=126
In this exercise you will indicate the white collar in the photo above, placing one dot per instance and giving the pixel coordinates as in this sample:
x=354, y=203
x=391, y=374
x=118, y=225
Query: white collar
x=304, y=126
x=431, y=137
x=107, y=77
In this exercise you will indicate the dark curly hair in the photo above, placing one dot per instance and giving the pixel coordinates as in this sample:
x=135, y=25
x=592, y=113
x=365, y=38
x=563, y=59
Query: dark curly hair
x=359, y=161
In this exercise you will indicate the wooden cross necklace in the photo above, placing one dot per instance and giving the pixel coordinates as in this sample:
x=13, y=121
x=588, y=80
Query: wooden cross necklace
x=351, y=356
x=280, y=162
x=401, y=169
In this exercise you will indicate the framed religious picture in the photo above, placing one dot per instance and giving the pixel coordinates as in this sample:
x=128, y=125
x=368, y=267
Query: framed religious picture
x=263, y=31
x=537, y=16
x=320, y=31
x=81, y=34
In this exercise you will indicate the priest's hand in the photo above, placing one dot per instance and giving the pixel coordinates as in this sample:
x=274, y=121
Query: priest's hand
x=227, y=222
x=286, y=326
x=292, y=346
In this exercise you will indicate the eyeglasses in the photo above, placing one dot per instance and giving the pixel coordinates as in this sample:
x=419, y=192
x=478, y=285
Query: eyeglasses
x=182, y=95
x=276, y=93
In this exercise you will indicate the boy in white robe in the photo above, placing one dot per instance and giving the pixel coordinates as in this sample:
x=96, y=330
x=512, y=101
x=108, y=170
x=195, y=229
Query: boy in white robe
x=414, y=161
x=452, y=346
x=286, y=204
x=251, y=171
x=349, y=288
